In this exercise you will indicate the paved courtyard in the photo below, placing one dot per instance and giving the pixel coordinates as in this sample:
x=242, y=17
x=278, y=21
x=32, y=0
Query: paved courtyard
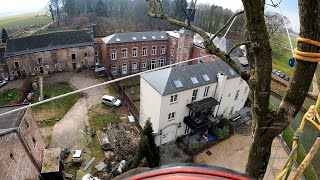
x=233, y=154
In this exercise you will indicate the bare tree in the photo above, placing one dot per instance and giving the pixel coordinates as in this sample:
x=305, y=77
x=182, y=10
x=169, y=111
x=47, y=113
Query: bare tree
x=267, y=123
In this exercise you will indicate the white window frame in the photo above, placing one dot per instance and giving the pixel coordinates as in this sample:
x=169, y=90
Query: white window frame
x=171, y=61
x=171, y=116
x=96, y=53
x=194, y=95
x=162, y=62
x=163, y=49
x=172, y=50
x=113, y=54
x=144, y=51
x=124, y=53
x=134, y=52
x=134, y=66
x=154, y=50
x=201, y=56
x=144, y=65
x=15, y=64
x=153, y=62
x=113, y=67
x=174, y=99
x=206, y=91
x=231, y=110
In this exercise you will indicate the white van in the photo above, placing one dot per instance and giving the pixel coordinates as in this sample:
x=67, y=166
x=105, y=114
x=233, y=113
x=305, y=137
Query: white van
x=111, y=101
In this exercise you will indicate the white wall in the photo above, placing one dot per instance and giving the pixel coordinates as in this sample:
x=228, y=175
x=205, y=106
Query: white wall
x=150, y=102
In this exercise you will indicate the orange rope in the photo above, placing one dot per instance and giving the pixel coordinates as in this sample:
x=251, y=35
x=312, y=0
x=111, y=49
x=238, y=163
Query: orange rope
x=307, y=56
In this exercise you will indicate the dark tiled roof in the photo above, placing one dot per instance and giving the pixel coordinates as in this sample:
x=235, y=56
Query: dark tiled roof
x=163, y=80
x=9, y=121
x=47, y=42
x=136, y=37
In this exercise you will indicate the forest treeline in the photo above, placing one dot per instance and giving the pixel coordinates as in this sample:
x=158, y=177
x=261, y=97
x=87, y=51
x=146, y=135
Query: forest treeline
x=131, y=15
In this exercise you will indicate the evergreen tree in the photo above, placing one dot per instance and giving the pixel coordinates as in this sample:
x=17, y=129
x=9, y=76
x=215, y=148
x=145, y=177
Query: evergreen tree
x=148, y=131
x=4, y=36
x=101, y=9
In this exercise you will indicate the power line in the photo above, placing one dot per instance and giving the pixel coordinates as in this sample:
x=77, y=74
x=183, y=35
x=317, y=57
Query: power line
x=97, y=85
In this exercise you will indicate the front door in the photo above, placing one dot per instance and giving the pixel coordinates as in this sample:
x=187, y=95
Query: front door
x=124, y=68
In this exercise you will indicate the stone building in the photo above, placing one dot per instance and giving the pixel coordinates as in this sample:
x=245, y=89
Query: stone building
x=21, y=145
x=49, y=53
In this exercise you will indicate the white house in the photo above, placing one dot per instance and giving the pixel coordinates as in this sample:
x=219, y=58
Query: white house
x=180, y=99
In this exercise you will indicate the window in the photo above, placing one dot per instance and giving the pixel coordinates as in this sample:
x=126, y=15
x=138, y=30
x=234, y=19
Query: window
x=231, y=110
x=134, y=52
x=201, y=54
x=245, y=90
x=73, y=56
x=16, y=64
x=194, y=95
x=154, y=50
x=162, y=62
x=174, y=98
x=144, y=51
x=36, y=69
x=134, y=65
x=240, y=81
x=96, y=53
x=39, y=60
x=163, y=49
x=113, y=54
x=144, y=65
x=206, y=90
x=124, y=52
x=172, y=50
x=114, y=69
x=171, y=61
x=85, y=54
x=236, y=96
x=171, y=116
x=153, y=64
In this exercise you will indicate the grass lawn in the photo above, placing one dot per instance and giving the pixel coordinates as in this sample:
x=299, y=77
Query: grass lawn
x=99, y=117
x=7, y=97
x=134, y=93
x=49, y=113
x=134, y=81
x=22, y=20
x=281, y=56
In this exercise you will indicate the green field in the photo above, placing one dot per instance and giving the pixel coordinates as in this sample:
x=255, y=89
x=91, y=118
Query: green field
x=281, y=55
x=24, y=20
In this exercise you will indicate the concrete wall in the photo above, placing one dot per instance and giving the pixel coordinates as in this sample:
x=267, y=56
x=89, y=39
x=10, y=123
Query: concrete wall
x=55, y=60
x=15, y=163
x=32, y=136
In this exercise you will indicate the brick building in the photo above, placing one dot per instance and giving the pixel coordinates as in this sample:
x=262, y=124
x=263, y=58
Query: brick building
x=49, y=53
x=21, y=145
x=132, y=52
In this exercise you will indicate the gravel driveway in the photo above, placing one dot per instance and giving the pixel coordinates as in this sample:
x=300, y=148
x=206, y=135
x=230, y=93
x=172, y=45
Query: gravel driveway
x=70, y=131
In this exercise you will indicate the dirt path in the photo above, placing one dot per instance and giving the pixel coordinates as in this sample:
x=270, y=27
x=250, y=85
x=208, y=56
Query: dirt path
x=70, y=131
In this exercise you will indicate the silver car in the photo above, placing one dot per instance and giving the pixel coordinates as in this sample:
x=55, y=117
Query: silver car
x=111, y=101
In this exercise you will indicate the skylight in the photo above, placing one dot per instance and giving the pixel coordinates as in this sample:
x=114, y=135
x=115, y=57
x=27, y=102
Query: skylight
x=117, y=39
x=206, y=77
x=162, y=37
x=194, y=80
x=153, y=37
x=134, y=38
x=178, y=83
x=144, y=37
x=231, y=72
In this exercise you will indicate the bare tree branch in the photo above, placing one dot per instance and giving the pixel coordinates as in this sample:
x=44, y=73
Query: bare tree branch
x=226, y=24
x=235, y=46
x=210, y=47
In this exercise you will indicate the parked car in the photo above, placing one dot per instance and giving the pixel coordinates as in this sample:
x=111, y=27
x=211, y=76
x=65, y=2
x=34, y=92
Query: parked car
x=277, y=73
x=274, y=71
x=280, y=74
x=3, y=82
x=286, y=78
x=111, y=101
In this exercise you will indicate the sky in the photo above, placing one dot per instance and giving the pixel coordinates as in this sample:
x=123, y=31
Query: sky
x=289, y=7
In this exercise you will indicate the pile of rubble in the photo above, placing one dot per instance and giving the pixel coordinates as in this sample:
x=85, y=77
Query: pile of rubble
x=119, y=145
